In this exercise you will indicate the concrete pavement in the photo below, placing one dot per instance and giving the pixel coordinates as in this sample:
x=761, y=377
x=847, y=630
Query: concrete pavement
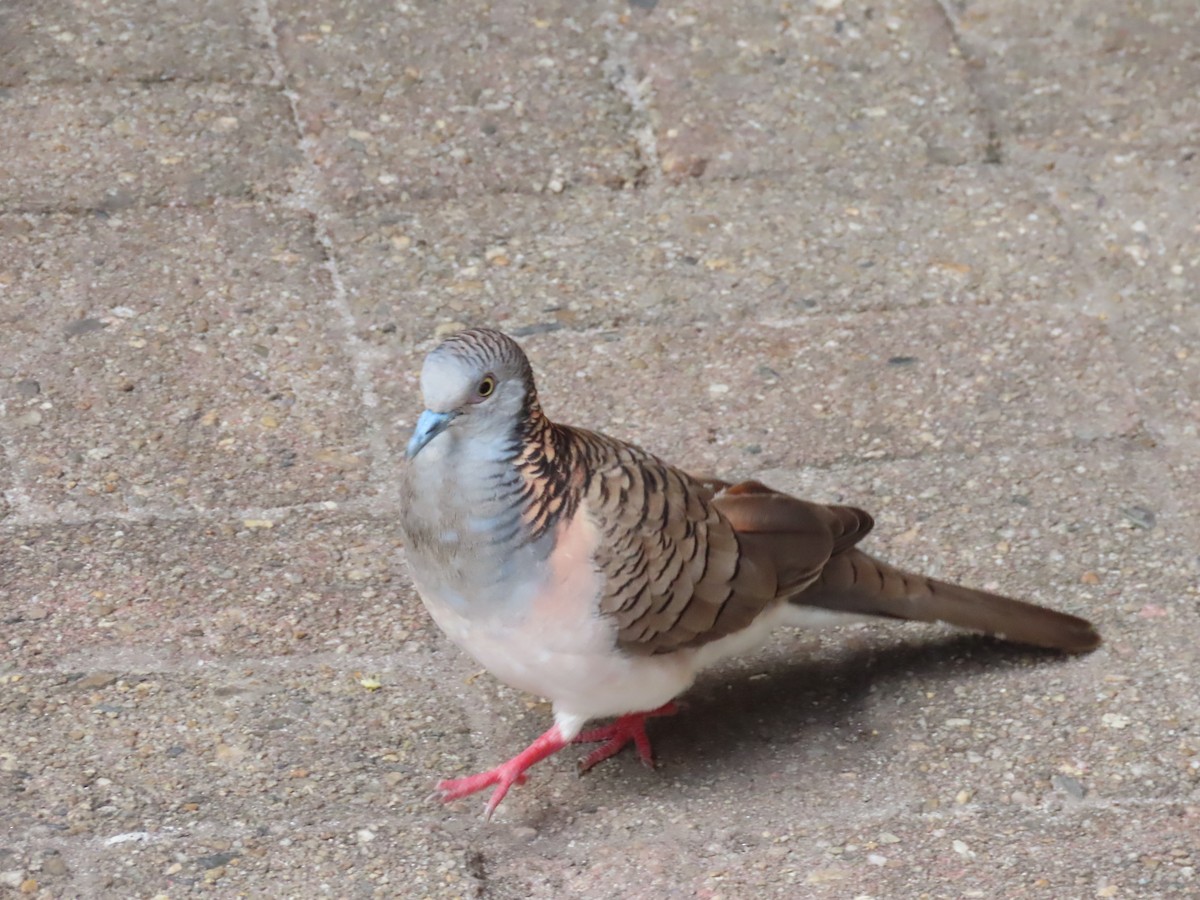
x=936, y=258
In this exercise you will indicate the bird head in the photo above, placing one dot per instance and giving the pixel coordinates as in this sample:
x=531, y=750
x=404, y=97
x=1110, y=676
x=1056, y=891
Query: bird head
x=476, y=384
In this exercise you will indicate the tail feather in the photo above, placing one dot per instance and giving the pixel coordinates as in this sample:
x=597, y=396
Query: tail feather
x=853, y=582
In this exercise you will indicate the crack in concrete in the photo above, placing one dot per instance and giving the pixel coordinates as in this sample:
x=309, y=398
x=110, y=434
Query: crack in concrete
x=201, y=667
x=306, y=197
x=619, y=69
x=976, y=67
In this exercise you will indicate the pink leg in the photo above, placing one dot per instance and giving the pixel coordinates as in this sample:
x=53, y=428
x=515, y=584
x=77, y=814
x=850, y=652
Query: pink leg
x=504, y=775
x=616, y=735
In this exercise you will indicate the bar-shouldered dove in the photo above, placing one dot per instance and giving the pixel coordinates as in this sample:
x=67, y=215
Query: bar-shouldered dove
x=583, y=569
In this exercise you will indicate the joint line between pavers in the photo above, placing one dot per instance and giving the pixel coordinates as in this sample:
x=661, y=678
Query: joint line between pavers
x=619, y=69
x=993, y=152
x=306, y=196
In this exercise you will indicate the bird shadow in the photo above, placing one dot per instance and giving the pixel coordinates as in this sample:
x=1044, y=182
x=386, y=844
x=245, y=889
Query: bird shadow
x=818, y=698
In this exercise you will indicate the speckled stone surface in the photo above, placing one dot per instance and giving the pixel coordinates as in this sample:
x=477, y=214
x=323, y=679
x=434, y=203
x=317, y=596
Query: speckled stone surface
x=939, y=259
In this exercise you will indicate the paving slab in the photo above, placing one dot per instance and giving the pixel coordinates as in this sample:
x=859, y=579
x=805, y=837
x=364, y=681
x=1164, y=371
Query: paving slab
x=107, y=40
x=114, y=145
x=261, y=584
x=742, y=91
x=1135, y=223
x=1096, y=78
x=839, y=242
x=1110, y=133
x=437, y=100
x=174, y=358
x=163, y=783
x=1169, y=390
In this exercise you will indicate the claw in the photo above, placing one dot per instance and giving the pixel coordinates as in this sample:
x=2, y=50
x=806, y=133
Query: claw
x=626, y=729
x=618, y=734
x=503, y=776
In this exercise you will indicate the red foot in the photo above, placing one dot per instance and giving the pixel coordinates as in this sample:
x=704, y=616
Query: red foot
x=616, y=735
x=504, y=775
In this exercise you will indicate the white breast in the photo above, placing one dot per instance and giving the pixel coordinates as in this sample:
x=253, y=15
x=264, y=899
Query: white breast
x=540, y=632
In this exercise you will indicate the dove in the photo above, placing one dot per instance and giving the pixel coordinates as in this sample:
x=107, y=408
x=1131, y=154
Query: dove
x=584, y=570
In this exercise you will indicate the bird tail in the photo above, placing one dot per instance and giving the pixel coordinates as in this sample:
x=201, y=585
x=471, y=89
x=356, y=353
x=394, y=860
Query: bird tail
x=857, y=584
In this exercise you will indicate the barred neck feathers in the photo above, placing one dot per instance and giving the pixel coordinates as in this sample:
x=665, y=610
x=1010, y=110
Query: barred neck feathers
x=548, y=461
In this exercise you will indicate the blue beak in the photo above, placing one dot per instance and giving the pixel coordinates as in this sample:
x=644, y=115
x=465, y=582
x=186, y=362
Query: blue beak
x=429, y=426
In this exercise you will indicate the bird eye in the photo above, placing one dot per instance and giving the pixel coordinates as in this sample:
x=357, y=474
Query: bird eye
x=487, y=386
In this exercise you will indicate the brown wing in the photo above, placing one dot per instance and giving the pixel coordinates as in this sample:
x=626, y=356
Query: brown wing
x=797, y=537
x=688, y=561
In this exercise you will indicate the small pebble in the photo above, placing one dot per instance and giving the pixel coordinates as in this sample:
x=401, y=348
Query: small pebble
x=12, y=878
x=1069, y=786
x=1116, y=721
x=1140, y=517
x=96, y=680
x=83, y=326
x=54, y=865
